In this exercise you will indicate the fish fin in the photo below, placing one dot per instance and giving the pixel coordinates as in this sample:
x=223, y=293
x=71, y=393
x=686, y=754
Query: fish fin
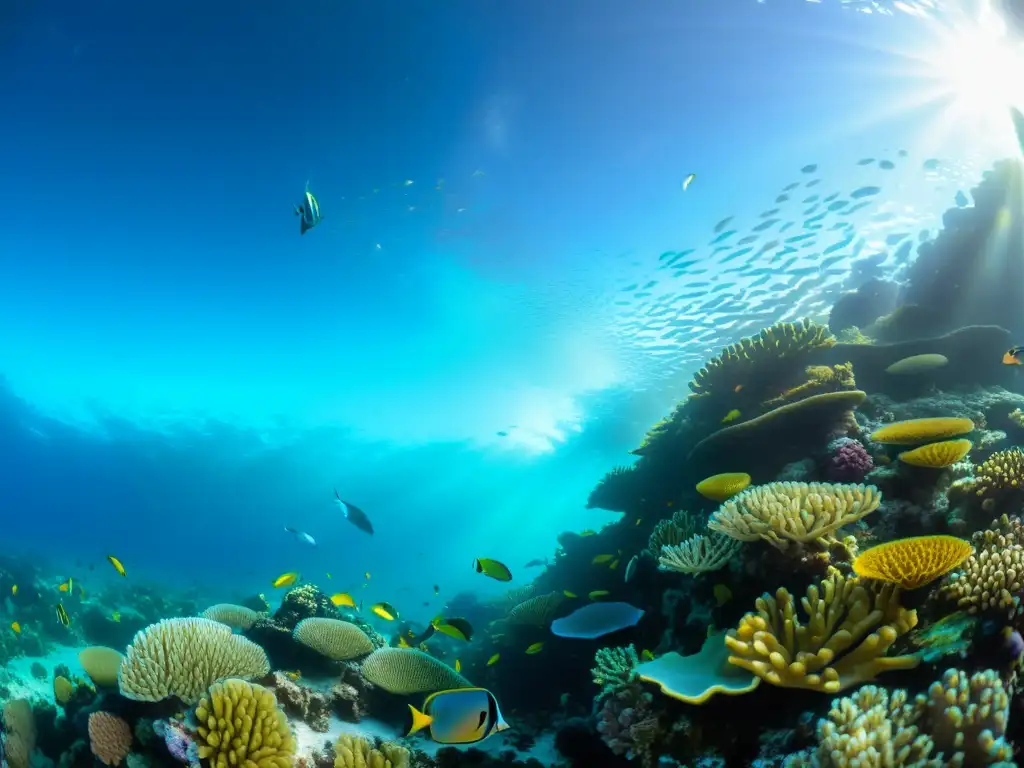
x=298, y=211
x=419, y=721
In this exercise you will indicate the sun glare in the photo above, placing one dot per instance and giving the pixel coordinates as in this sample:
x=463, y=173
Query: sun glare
x=981, y=68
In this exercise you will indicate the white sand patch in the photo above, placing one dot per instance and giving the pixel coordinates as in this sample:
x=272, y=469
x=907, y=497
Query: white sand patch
x=24, y=685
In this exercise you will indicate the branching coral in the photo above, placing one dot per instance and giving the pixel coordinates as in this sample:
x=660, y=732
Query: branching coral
x=968, y=717
x=699, y=554
x=680, y=527
x=110, y=738
x=786, y=512
x=614, y=668
x=833, y=650
x=914, y=562
x=1001, y=472
x=992, y=577
x=240, y=723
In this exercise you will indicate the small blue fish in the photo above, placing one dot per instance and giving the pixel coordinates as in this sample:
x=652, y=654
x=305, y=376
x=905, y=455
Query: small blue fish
x=309, y=211
x=302, y=536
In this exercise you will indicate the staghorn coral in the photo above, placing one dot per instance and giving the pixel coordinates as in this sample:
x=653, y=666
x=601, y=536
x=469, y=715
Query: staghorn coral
x=913, y=431
x=912, y=563
x=1000, y=473
x=240, y=723
x=19, y=733
x=849, y=461
x=991, y=578
x=353, y=751
x=723, y=486
x=781, y=513
x=183, y=657
x=937, y=455
x=833, y=650
x=536, y=611
x=675, y=530
x=699, y=554
x=235, y=616
x=408, y=670
x=820, y=379
x=614, y=668
x=337, y=640
x=110, y=738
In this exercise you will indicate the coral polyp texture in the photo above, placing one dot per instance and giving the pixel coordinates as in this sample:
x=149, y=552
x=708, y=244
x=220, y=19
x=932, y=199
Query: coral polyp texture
x=675, y=530
x=110, y=738
x=537, y=611
x=915, y=431
x=183, y=657
x=992, y=578
x=408, y=670
x=240, y=724
x=699, y=554
x=723, y=486
x=914, y=562
x=1001, y=472
x=337, y=640
x=787, y=512
x=19, y=733
x=356, y=752
x=937, y=455
x=968, y=717
x=848, y=630
x=850, y=461
x=234, y=616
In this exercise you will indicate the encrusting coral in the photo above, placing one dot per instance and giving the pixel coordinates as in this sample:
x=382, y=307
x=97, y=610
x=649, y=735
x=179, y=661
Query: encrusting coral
x=699, y=554
x=833, y=650
x=110, y=738
x=914, y=562
x=781, y=513
x=240, y=723
x=992, y=577
x=356, y=752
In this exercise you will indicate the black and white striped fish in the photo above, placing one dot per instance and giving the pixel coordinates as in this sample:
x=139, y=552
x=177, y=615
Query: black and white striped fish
x=309, y=211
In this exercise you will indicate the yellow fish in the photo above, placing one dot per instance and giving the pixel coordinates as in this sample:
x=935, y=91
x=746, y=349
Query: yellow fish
x=343, y=598
x=116, y=616
x=614, y=565
x=14, y=589
x=493, y=660
x=285, y=580
x=403, y=643
x=62, y=616
x=458, y=665
x=294, y=676
x=117, y=565
x=16, y=627
x=722, y=594
x=493, y=568
x=535, y=648
x=601, y=559
x=385, y=610
x=647, y=655
x=731, y=416
x=568, y=594
x=66, y=586
x=587, y=532
x=328, y=574
x=597, y=594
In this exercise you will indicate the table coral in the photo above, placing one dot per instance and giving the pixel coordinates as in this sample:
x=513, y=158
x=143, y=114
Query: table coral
x=833, y=650
x=913, y=562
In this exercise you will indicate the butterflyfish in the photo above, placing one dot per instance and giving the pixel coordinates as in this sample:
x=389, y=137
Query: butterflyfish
x=460, y=629
x=343, y=598
x=597, y=594
x=285, y=580
x=66, y=586
x=385, y=610
x=117, y=565
x=353, y=514
x=62, y=616
x=301, y=536
x=731, y=416
x=1012, y=356
x=403, y=643
x=16, y=627
x=493, y=660
x=601, y=559
x=458, y=665
x=688, y=181
x=460, y=716
x=535, y=648
x=308, y=212
x=492, y=568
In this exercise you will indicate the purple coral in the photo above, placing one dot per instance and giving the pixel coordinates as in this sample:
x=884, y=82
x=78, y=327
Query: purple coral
x=849, y=462
x=178, y=740
x=625, y=721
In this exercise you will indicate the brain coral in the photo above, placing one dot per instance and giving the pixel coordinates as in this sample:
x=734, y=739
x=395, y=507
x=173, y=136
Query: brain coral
x=786, y=512
x=915, y=431
x=235, y=616
x=936, y=455
x=183, y=657
x=408, y=670
x=333, y=638
x=240, y=724
x=723, y=486
x=914, y=562
x=110, y=738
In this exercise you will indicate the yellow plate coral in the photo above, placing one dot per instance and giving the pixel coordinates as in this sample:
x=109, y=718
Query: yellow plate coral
x=915, y=431
x=937, y=455
x=913, y=562
x=724, y=486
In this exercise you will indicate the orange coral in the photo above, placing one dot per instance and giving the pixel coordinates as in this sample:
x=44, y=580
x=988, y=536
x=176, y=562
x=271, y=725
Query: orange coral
x=110, y=737
x=922, y=430
x=724, y=486
x=914, y=562
x=937, y=455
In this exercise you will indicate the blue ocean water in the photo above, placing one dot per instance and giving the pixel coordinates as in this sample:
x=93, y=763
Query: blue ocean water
x=491, y=313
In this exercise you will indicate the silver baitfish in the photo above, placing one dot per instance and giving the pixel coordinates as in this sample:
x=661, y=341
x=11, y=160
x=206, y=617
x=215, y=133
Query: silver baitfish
x=302, y=536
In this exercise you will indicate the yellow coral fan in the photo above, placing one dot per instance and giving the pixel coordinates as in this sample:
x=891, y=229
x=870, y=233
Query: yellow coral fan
x=183, y=657
x=833, y=650
x=355, y=752
x=696, y=678
x=235, y=616
x=335, y=639
x=724, y=486
x=991, y=578
x=915, y=431
x=63, y=690
x=110, y=738
x=101, y=664
x=240, y=724
x=698, y=554
x=408, y=670
x=937, y=455
x=914, y=562
x=1002, y=471
x=787, y=512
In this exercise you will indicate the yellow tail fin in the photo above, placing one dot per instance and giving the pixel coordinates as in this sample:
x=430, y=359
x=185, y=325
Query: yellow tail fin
x=419, y=721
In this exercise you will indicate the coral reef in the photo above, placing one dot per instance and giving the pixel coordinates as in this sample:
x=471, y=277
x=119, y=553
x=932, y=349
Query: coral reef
x=241, y=721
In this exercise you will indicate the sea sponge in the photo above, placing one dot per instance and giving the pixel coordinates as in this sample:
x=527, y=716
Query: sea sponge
x=19, y=733
x=235, y=616
x=1002, y=471
x=833, y=650
x=699, y=554
x=333, y=638
x=675, y=530
x=63, y=690
x=968, y=717
x=183, y=657
x=915, y=431
x=723, y=486
x=240, y=723
x=353, y=751
x=913, y=562
x=849, y=462
x=699, y=676
x=101, y=664
x=408, y=670
x=786, y=512
x=536, y=611
x=992, y=577
x=937, y=455
x=110, y=738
